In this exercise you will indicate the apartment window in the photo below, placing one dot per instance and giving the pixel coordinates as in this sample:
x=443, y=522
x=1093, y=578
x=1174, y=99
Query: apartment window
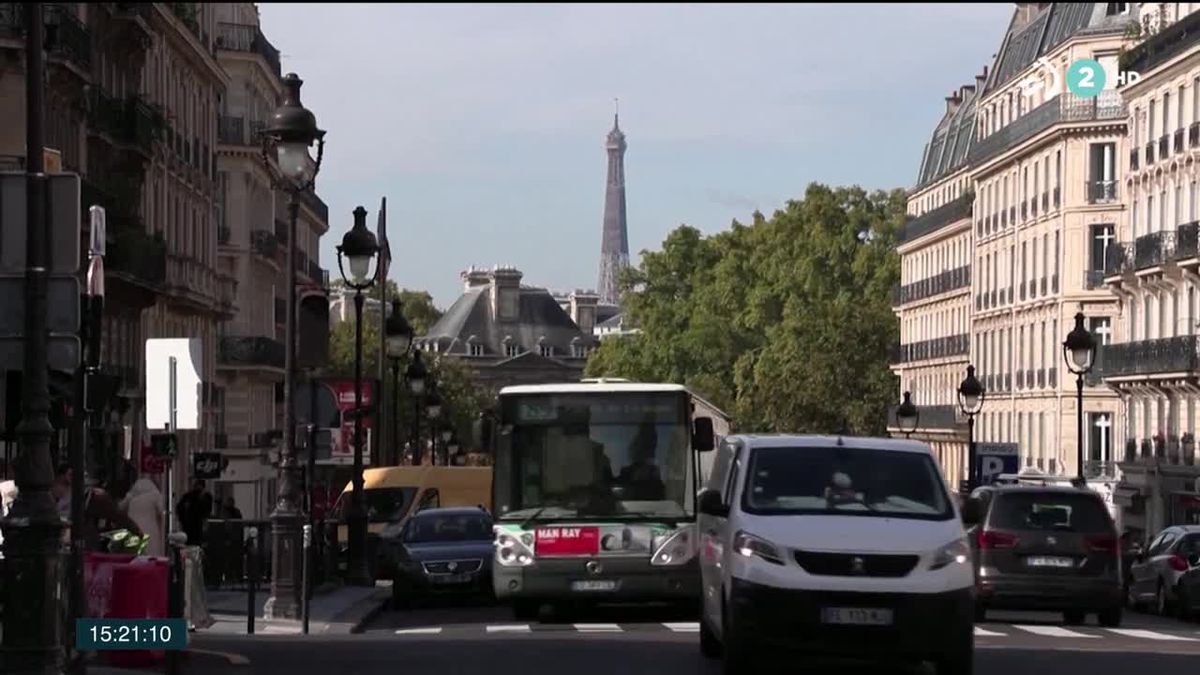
x=1162, y=210
x=1102, y=236
x=1058, y=169
x=1178, y=204
x=1166, y=113
x=546, y=350
x=1150, y=214
x=1033, y=264
x=1020, y=347
x=1100, y=437
x=1192, y=202
x=1150, y=128
x=1102, y=160
x=1115, y=8
x=1024, y=263
x=1136, y=131
x=1179, y=112
x=1056, y=256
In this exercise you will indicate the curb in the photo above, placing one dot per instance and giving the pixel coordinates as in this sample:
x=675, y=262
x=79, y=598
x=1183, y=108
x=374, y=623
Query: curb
x=366, y=610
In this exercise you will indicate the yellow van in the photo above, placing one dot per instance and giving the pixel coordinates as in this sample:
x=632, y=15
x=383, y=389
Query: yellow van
x=393, y=493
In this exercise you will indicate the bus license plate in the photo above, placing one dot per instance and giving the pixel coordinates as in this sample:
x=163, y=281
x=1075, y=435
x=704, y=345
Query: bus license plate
x=856, y=616
x=593, y=585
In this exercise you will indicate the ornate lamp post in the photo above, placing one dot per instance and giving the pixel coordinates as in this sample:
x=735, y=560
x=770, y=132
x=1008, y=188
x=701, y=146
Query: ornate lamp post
x=1079, y=350
x=285, y=152
x=970, y=400
x=907, y=415
x=399, y=336
x=447, y=434
x=415, y=375
x=358, y=248
x=433, y=410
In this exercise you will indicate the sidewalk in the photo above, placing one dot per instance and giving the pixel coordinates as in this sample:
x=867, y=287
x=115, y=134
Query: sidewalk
x=338, y=610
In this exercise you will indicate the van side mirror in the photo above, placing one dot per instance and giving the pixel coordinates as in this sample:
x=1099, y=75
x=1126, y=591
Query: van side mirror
x=972, y=512
x=703, y=439
x=711, y=504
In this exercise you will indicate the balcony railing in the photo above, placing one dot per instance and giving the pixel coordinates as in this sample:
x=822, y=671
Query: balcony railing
x=263, y=243
x=949, y=280
x=945, y=417
x=138, y=255
x=1063, y=108
x=1163, y=46
x=1152, y=250
x=129, y=121
x=931, y=221
x=937, y=348
x=1101, y=191
x=1149, y=357
x=1093, y=279
x=238, y=37
x=1186, y=236
x=251, y=351
x=318, y=206
x=233, y=130
x=72, y=40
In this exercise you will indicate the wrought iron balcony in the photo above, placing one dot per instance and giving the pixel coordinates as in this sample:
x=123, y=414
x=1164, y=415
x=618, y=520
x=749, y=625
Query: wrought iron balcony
x=1024, y=211
x=318, y=206
x=1186, y=239
x=238, y=37
x=1133, y=160
x=1148, y=357
x=1093, y=279
x=72, y=41
x=1118, y=259
x=1163, y=46
x=950, y=345
x=947, y=214
x=949, y=280
x=1194, y=135
x=1101, y=191
x=1063, y=108
x=137, y=256
x=264, y=243
x=1152, y=250
x=250, y=352
x=1057, y=196
x=129, y=121
x=1041, y=378
x=1045, y=202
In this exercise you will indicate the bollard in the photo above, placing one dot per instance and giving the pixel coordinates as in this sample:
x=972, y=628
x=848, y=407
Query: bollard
x=251, y=578
x=304, y=580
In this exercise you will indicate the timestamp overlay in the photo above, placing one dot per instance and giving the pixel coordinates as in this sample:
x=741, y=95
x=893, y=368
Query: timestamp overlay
x=130, y=634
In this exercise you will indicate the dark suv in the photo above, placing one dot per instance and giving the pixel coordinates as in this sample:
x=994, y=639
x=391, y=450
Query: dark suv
x=1045, y=548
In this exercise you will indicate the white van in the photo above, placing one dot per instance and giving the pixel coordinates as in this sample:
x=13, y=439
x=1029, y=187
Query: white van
x=836, y=546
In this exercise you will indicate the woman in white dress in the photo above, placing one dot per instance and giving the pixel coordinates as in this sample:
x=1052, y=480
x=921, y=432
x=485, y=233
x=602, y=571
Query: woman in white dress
x=144, y=505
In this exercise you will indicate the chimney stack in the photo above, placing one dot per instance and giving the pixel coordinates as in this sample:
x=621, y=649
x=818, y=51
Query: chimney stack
x=474, y=277
x=583, y=310
x=506, y=293
x=952, y=102
x=981, y=79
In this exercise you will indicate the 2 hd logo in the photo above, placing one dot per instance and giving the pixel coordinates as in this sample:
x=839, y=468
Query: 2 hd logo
x=1086, y=78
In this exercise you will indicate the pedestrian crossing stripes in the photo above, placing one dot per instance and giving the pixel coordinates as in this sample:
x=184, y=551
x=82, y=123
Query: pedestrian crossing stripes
x=989, y=632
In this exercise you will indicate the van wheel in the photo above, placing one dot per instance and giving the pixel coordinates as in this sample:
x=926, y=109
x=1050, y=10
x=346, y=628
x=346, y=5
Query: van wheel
x=1183, y=604
x=1074, y=617
x=1111, y=618
x=526, y=610
x=738, y=656
x=958, y=661
x=710, y=646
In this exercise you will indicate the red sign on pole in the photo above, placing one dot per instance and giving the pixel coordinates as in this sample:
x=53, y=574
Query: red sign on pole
x=342, y=441
x=567, y=541
x=151, y=464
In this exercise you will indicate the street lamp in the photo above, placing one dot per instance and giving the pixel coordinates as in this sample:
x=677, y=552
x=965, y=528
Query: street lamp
x=907, y=415
x=399, y=335
x=286, y=140
x=447, y=434
x=433, y=410
x=357, y=249
x=970, y=400
x=415, y=375
x=1079, y=350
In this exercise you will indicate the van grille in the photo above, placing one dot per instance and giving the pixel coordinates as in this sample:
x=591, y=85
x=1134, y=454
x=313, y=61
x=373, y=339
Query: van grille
x=855, y=564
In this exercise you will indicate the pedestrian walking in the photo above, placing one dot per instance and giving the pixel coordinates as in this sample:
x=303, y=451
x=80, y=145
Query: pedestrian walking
x=145, y=506
x=194, y=510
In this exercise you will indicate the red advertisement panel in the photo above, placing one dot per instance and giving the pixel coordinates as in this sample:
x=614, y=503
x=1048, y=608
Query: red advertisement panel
x=342, y=441
x=567, y=541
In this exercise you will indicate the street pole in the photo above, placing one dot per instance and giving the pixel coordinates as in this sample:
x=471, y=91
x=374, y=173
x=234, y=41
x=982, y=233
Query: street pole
x=175, y=564
x=33, y=569
x=416, y=432
x=310, y=481
x=357, y=566
x=1079, y=426
x=971, y=477
x=396, y=411
x=286, y=553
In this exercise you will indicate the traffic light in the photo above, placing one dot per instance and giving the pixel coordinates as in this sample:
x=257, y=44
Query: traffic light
x=163, y=445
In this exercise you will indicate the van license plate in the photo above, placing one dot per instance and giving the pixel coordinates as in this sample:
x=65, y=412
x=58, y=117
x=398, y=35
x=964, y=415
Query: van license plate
x=593, y=585
x=1050, y=562
x=449, y=579
x=856, y=616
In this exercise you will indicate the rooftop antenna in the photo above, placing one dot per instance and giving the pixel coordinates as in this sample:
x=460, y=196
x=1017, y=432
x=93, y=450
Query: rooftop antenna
x=616, y=109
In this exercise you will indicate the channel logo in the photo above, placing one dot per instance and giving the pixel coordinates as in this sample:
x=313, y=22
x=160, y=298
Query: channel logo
x=1086, y=78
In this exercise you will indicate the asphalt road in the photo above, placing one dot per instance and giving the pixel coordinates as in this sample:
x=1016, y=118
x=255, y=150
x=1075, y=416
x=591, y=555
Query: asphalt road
x=464, y=638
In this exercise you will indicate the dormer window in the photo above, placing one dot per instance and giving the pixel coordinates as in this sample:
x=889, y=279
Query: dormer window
x=474, y=348
x=511, y=348
x=1115, y=8
x=577, y=350
x=545, y=349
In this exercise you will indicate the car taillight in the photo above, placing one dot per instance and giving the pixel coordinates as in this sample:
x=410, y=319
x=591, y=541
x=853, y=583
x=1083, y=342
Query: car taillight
x=990, y=539
x=1104, y=543
x=1178, y=563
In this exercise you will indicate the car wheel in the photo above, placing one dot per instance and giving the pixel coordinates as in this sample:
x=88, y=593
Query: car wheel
x=1130, y=599
x=1074, y=617
x=958, y=661
x=1183, y=605
x=1161, y=606
x=1111, y=618
x=710, y=645
x=526, y=610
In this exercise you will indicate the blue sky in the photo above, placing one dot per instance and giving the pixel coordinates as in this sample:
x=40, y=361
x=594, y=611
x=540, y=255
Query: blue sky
x=484, y=125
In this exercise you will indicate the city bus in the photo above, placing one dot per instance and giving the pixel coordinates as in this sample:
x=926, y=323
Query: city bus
x=594, y=492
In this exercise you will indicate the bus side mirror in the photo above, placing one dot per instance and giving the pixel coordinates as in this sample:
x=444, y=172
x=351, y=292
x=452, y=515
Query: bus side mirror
x=702, y=434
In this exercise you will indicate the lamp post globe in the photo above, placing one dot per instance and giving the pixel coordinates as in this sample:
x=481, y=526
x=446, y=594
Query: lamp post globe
x=970, y=400
x=433, y=404
x=416, y=374
x=1079, y=349
x=358, y=248
x=907, y=415
x=288, y=136
x=399, y=333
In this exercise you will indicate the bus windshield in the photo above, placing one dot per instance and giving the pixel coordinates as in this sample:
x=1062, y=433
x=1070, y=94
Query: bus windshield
x=602, y=456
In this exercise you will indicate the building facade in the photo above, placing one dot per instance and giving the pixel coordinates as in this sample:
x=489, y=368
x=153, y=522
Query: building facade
x=1037, y=184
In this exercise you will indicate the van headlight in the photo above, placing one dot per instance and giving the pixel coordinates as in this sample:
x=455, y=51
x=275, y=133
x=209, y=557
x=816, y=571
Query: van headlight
x=673, y=549
x=512, y=551
x=751, y=546
x=957, y=552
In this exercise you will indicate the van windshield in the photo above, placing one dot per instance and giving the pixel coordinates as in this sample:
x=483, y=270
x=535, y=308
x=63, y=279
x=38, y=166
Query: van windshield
x=845, y=481
x=1049, y=511
x=383, y=505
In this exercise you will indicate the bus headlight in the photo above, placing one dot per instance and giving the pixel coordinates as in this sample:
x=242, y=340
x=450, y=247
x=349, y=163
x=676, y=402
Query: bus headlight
x=513, y=552
x=674, y=549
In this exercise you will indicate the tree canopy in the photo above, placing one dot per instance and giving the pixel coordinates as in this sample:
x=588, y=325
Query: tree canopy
x=784, y=323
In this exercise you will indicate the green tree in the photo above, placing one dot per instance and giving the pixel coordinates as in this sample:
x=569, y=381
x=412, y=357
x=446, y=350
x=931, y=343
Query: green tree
x=785, y=323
